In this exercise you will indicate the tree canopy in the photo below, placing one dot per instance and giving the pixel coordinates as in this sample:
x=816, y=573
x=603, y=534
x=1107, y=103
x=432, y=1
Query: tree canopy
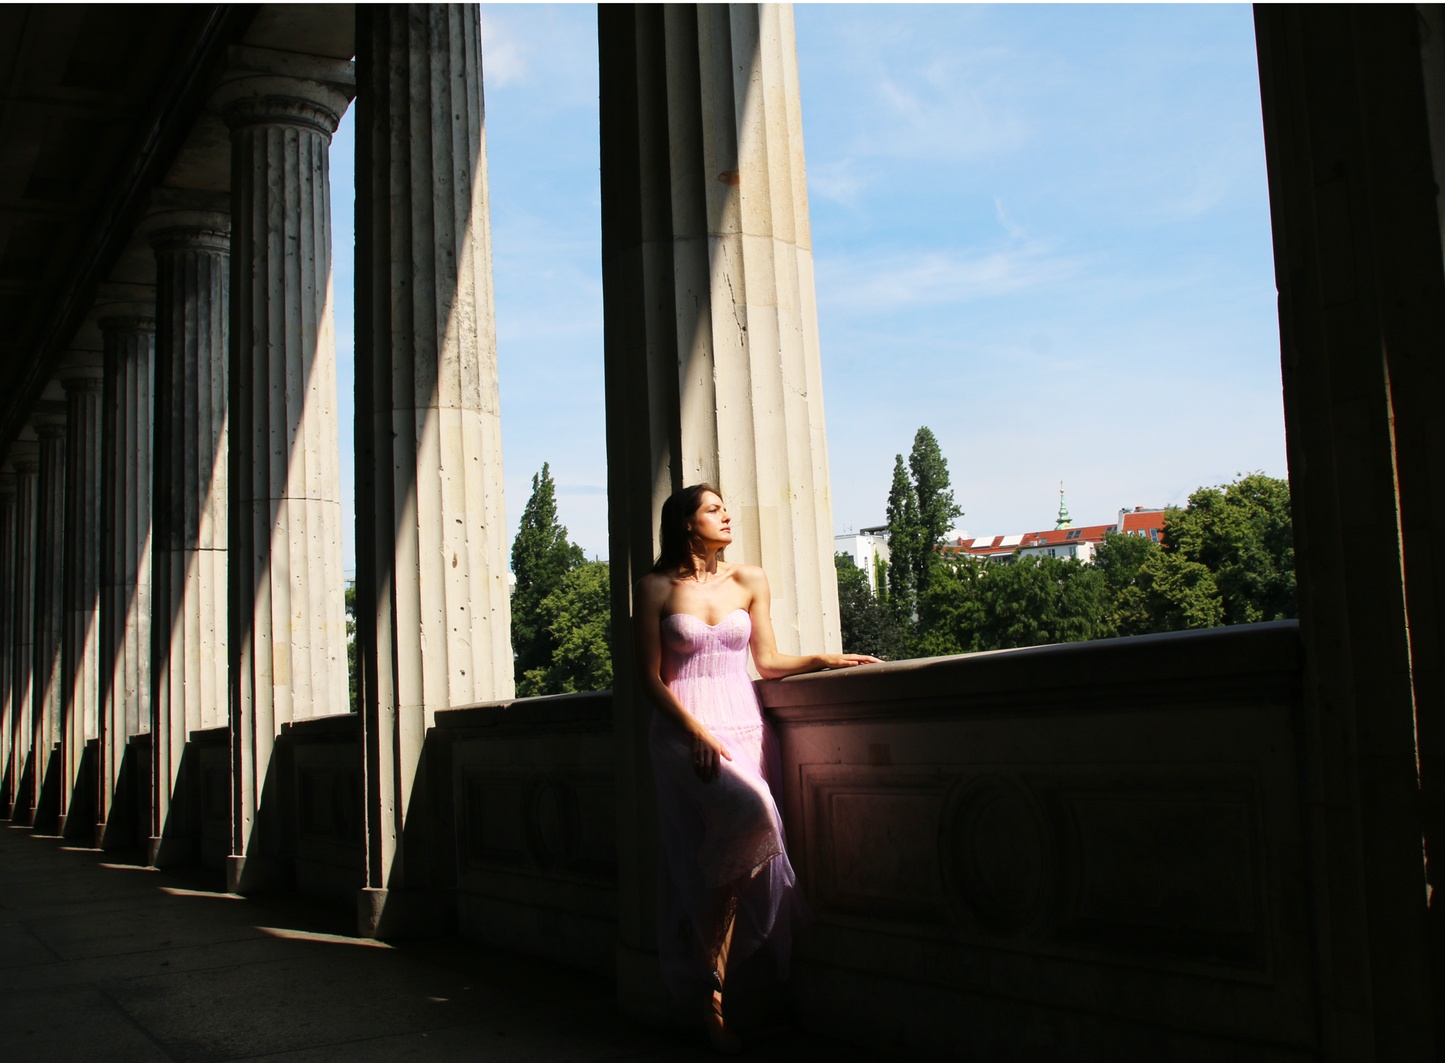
x=541, y=559
x=578, y=616
x=869, y=625
x=1225, y=558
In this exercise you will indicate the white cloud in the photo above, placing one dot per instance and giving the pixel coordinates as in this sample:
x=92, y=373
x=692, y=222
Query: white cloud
x=503, y=54
x=864, y=285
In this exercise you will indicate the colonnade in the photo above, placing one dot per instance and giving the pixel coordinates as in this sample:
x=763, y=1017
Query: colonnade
x=170, y=519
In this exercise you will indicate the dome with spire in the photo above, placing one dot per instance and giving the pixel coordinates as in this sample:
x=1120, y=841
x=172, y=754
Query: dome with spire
x=1064, y=521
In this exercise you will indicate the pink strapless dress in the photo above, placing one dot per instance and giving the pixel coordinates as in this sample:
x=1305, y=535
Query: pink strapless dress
x=727, y=830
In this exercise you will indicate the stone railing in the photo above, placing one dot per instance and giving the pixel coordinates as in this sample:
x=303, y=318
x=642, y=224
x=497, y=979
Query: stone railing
x=1088, y=850
x=536, y=831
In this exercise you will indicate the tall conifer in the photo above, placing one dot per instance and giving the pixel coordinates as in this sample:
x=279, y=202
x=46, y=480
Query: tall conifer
x=541, y=559
x=936, y=508
x=903, y=540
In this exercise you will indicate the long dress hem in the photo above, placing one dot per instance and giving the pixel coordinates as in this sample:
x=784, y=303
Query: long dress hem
x=725, y=833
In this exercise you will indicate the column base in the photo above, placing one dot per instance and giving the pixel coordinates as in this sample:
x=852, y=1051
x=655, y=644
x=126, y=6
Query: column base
x=169, y=851
x=257, y=874
x=399, y=914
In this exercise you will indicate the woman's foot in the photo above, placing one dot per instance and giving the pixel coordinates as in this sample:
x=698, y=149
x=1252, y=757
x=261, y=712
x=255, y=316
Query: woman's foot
x=720, y=1035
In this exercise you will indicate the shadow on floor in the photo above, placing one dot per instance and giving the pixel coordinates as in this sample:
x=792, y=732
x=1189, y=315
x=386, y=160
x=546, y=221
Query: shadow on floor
x=104, y=959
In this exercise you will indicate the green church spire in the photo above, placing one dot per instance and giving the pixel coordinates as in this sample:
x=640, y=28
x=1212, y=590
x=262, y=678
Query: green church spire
x=1064, y=521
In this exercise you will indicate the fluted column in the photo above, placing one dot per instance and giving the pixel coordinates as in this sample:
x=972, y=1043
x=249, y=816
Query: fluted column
x=711, y=344
x=189, y=505
x=287, y=639
x=26, y=459
x=49, y=678
x=8, y=540
x=80, y=693
x=433, y=614
x=125, y=570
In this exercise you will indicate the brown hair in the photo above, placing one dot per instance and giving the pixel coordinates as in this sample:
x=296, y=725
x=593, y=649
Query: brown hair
x=676, y=539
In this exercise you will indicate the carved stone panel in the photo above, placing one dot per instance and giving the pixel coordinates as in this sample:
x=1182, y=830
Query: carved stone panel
x=1138, y=863
x=556, y=823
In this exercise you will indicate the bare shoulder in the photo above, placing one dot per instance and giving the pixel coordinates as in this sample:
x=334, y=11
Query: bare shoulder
x=750, y=576
x=652, y=588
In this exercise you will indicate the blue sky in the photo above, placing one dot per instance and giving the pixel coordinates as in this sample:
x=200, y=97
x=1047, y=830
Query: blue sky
x=1042, y=231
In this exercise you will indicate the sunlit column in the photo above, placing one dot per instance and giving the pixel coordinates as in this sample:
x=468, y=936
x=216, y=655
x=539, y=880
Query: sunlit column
x=434, y=619
x=25, y=456
x=48, y=678
x=286, y=636
x=80, y=693
x=188, y=561
x=125, y=567
x=711, y=344
x=8, y=542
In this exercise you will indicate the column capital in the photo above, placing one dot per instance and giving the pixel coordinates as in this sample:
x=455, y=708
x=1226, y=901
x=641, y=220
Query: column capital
x=84, y=382
x=8, y=485
x=127, y=323
x=215, y=236
x=263, y=86
x=282, y=110
x=52, y=427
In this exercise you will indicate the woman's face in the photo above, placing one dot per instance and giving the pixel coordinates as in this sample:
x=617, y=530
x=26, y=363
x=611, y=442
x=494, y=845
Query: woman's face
x=710, y=524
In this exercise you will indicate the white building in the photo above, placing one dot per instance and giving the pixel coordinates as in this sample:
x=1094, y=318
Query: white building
x=865, y=547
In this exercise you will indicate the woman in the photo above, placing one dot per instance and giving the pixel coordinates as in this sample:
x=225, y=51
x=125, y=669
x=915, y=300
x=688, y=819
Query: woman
x=728, y=887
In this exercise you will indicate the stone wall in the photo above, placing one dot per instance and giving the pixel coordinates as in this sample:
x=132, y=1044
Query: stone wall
x=1094, y=850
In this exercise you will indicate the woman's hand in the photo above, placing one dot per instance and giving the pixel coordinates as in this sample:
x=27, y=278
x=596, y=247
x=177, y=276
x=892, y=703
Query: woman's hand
x=706, y=751
x=846, y=660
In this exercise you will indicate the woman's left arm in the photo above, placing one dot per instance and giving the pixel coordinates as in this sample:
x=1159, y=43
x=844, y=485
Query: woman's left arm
x=772, y=664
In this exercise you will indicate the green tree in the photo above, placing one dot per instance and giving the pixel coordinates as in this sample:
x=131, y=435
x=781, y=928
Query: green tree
x=937, y=509
x=541, y=559
x=1243, y=533
x=1226, y=558
x=578, y=617
x=974, y=605
x=1120, y=557
x=869, y=626
x=352, y=664
x=905, y=541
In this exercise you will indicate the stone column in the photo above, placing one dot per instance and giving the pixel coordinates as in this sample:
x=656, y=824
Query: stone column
x=125, y=567
x=711, y=346
x=188, y=561
x=48, y=677
x=8, y=573
x=25, y=456
x=1358, y=264
x=433, y=613
x=80, y=694
x=287, y=638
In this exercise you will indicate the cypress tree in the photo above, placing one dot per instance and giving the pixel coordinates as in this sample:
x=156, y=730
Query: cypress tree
x=936, y=508
x=904, y=541
x=541, y=559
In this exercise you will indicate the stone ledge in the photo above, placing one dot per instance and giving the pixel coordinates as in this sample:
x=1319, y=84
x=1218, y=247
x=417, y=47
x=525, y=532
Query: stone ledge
x=1261, y=660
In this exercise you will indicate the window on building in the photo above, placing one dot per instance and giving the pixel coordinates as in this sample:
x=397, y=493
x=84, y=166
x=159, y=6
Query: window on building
x=1075, y=533
x=1154, y=534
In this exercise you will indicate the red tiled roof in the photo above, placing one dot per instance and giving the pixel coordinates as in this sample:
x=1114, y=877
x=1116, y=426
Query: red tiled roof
x=1093, y=533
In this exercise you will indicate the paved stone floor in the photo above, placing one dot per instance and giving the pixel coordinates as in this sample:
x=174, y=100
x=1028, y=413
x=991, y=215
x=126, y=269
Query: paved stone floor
x=101, y=960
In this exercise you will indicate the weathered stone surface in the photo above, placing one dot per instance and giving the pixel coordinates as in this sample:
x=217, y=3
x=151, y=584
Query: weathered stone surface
x=711, y=318
x=25, y=458
x=125, y=570
x=433, y=615
x=80, y=695
x=188, y=563
x=286, y=634
x=48, y=678
x=8, y=542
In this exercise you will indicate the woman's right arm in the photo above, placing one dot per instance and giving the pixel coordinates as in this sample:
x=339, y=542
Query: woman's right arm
x=648, y=599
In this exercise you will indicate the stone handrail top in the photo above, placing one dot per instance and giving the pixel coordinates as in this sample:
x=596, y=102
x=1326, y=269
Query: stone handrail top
x=1260, y=656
